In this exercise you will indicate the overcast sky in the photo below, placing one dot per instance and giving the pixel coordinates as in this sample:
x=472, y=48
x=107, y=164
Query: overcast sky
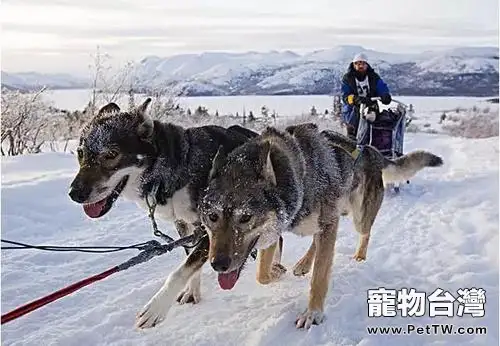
x=61, y=35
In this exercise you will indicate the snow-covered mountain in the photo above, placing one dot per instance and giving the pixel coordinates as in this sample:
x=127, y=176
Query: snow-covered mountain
x=34, y=80
x=467, y=71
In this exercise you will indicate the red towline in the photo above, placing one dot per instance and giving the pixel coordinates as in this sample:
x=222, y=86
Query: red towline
x=150, y=250
x=31, y=306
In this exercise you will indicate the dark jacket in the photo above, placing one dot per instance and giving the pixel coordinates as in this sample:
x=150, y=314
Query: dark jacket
x=378, y=88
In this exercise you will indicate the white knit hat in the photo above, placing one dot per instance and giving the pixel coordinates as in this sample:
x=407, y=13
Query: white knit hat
x=360, y=57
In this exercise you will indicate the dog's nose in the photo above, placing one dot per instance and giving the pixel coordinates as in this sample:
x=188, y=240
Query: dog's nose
x=76, y=194
x=221, y=263
x=78, y=191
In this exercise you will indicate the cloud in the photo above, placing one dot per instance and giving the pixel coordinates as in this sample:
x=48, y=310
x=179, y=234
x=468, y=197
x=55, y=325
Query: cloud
x=70, y=31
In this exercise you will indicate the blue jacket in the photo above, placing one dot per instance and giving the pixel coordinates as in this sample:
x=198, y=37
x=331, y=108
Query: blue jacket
x=378, y=88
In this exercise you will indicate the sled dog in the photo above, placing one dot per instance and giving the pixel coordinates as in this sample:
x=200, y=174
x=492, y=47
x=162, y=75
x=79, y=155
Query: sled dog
x=299, y=180
x=128, y=154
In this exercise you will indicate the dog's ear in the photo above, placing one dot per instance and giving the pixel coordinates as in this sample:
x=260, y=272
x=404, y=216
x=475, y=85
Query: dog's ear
x=109, y=108
x=267, y=164
x=291, y=129
x=145, y=129
x=217, y=162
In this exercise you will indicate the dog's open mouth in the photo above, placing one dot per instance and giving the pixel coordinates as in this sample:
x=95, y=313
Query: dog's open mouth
x=228, y=280
x=98, y=209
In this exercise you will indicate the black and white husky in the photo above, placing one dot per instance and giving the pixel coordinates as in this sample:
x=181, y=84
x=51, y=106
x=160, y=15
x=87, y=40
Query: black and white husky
x=129, y=154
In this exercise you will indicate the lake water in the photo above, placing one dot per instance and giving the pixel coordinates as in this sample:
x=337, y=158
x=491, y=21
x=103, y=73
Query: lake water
x=283, y=105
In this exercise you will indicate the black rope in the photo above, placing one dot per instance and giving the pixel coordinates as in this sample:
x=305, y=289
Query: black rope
x=87, y=249
x=196, y=238
x=151, y=215
x=199, y=230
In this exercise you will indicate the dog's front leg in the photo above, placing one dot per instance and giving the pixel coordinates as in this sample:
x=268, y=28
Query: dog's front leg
x=268, y=267
x=192, y=292
x=156, y=309
x=325, y=246
x=303, y=266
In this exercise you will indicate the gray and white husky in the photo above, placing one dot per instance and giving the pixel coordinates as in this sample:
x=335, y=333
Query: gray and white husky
x=300, y=180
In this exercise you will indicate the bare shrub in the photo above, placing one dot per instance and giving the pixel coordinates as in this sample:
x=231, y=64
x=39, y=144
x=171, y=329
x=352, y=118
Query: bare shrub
x=474, y=126
x=24, y=121
x=413, y=128
x=454, y=118
x=166, y=104
x=108, y=84
x=64, y=128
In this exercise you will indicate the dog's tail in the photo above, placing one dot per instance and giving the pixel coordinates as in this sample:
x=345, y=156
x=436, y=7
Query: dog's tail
x=393, y=171
x=405, y=167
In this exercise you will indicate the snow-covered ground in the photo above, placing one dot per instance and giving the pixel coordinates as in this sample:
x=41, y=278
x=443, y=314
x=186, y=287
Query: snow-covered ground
x=440, y=232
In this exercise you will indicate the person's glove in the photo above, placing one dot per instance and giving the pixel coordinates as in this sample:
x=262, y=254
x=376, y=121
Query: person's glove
x=371, y=117
x=386, y=99
x=355, y=99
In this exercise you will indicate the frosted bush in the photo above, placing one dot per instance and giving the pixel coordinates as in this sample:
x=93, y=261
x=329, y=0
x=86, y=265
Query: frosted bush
x=475, y=124
x=24, y=122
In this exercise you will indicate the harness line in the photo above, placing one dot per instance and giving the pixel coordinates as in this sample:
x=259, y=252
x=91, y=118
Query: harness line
x=151, y=249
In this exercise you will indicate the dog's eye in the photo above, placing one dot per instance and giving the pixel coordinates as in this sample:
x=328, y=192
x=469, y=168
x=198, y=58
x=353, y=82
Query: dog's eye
x=213, y=217
x=110, y=155
x=245, y=218
x=79, y=154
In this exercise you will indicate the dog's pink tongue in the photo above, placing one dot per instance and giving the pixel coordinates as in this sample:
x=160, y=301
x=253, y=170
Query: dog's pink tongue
x=228, y=280
x=94, y=209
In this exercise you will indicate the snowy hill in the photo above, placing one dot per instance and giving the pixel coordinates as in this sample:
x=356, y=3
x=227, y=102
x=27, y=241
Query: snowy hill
x=35, y=80
x=467, y=71
x=440, y=232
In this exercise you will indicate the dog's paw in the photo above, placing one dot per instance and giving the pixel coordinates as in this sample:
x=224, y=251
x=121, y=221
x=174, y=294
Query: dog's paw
x=308, y=318
x=277, y=271
x=302, y=267
x=190, y=294
x=359, y=256
x=152, y=314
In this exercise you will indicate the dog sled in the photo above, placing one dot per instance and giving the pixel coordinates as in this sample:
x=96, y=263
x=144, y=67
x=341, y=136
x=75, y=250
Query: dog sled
x=384, y=129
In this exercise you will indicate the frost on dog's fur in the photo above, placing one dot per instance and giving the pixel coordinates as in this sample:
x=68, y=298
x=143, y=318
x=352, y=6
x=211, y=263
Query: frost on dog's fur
x=299, y=180
x=284, y=181
x=98, y=138
x=155, y=157
x=110, y=128
x=98, y=134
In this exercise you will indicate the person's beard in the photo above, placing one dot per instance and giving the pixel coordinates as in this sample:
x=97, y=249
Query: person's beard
x=360, y=75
